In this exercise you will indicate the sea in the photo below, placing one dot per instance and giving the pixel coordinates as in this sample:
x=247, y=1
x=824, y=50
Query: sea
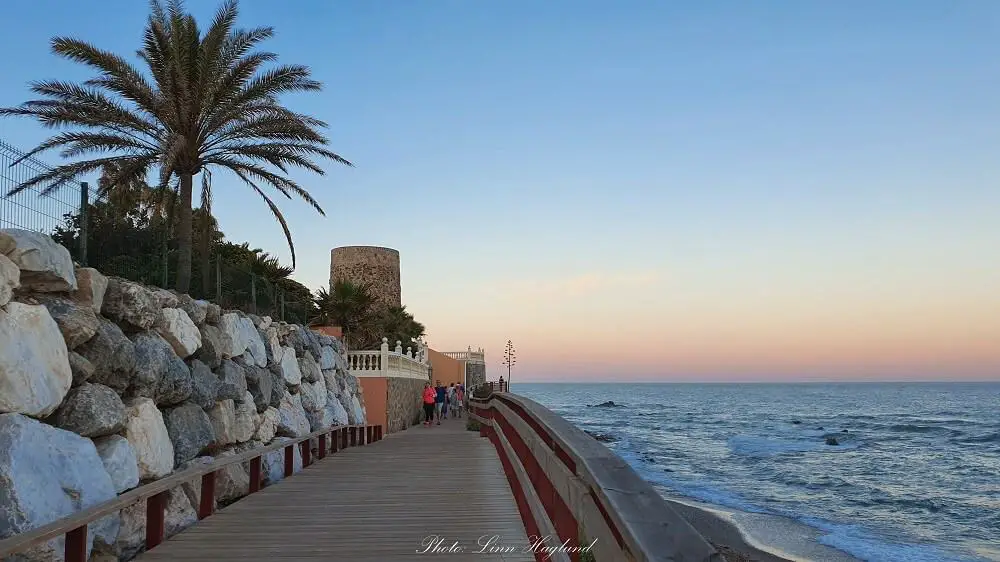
x=914, y=476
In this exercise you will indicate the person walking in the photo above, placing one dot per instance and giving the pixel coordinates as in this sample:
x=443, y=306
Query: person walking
x=459, y=399
x=452, y=403
x=439, y=398
x=429, y=397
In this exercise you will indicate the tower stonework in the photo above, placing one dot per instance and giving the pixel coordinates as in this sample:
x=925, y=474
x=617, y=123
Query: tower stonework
x=374, y=265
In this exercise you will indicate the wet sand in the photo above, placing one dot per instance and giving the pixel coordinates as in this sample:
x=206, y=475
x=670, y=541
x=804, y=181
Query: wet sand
x=719, y=527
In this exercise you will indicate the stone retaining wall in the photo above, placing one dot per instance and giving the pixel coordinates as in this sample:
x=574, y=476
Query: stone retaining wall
x=475, y=374
x=106, y=384
x=405, y=406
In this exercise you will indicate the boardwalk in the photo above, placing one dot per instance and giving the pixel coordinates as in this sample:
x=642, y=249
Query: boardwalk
x=371, y=503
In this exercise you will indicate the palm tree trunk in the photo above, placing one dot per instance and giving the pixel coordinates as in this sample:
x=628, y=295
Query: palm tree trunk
x=184, y=238
x=206, y=254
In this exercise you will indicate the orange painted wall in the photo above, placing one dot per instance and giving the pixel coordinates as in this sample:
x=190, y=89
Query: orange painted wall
x=376, y=392
x=446, y=369
x=332, y=331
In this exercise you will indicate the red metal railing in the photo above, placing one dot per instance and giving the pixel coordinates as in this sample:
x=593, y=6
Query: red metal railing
x=156, y=493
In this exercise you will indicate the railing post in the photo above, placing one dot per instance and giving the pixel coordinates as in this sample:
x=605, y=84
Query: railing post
x=207, y=504
x=369, y=430
x=383, y=363
x=254, y=474
x=354, y=436
x=322, y=446
x=289, y=460
x=343, y=438
x=75, y=549
x=155, y=522
x=306, y=453
x=333, y=441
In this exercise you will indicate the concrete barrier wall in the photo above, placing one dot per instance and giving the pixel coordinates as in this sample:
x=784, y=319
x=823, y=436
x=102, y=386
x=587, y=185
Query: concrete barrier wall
x=570, y=486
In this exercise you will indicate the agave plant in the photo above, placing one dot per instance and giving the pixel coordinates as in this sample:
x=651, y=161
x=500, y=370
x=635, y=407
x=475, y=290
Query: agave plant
x=204, y=101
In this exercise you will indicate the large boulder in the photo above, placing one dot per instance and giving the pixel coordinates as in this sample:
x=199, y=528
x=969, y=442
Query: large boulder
x=213, y=313
x=309, y=368
x=7, y=242
x=267, y=425
x=160, y=373
x=313, y=396
x=91, y=410
x=34, y=363
x=81, y=367
x=148, y=435
x=223, y=417
x=289, y=367
x=246, y=419
x=112, y=355
x=46, y=267
x=260, y=384
x=119, y=461
x=278, y=389
x=190, y=431
x=292, y=420
x=91, y=286
x=359, y=411
x=130, y=304
x=232, y=381
x=213, y=342
x=165, y=298
x=255, y=344
x=328, y=358
x=272, y=465
x=197, y=310
x=179, y=330
x=77, y=323
x=272, y=347
x=336, y=409
x=47, y=474
x=235, y=333
x=204, y=385
x=10, y=279
x=232, y=482
x=178, y=515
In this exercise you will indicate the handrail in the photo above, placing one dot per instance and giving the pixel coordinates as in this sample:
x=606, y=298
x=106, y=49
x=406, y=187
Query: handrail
x=630, y=515
x=75, y=526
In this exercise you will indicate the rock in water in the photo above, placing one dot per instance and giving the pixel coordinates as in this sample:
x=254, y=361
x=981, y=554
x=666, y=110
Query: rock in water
x=148, y=435
x=832, y=441
x=190, y=431
x=91, y=410
x=608, y=404
x=119, y=460
x=47, y=474
x=34, y=363
x=45, y=266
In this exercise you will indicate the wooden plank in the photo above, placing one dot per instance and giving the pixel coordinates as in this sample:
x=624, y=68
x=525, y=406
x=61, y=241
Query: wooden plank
x=372, y=503
x=23, y=541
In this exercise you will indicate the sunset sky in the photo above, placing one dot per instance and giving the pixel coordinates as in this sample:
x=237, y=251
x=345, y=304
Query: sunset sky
x=709, y=190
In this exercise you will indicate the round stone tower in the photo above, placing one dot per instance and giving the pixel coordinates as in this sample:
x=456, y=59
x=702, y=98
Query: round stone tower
x=374, y=265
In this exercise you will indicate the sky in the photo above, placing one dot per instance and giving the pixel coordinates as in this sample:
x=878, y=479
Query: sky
x=637, y=190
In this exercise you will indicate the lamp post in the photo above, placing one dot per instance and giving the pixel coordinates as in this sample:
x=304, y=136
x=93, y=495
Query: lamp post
x=509, y=359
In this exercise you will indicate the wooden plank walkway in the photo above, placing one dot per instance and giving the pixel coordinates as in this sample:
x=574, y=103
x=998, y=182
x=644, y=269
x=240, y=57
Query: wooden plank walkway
x=379, y=502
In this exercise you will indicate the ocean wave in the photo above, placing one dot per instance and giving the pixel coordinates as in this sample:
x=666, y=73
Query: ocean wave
x=856, y=541
x=985, y=438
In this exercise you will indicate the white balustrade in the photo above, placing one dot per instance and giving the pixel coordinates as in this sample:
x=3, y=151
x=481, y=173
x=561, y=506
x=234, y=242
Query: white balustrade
x=385, y=363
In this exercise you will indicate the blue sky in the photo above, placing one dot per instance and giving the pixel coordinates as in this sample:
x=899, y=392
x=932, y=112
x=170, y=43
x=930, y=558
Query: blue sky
x=693, y=185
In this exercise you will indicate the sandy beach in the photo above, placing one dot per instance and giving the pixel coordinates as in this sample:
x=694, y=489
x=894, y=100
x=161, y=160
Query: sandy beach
x=720, y=528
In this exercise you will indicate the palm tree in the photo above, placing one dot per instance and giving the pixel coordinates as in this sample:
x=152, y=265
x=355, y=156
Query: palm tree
x=350, y=306
x=397, y=324
x=205, y=102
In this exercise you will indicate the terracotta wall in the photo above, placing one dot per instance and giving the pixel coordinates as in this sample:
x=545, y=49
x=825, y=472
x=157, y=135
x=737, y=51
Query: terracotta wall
x=446, y=369
x=376, y=393
x=332, y=331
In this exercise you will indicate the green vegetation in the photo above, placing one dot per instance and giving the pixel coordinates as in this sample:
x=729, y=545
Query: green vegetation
x=352, y=307
x=202, y=101
x=472, y=425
